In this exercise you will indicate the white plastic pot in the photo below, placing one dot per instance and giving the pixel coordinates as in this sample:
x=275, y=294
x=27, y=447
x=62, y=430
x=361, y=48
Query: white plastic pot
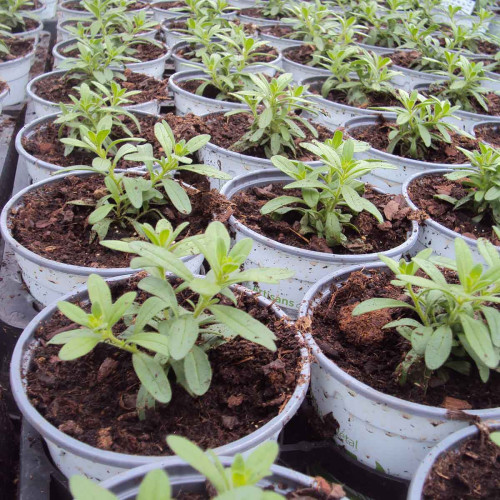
x=391, y=181
x=300, y=71
x=184, y=478
x=32, y=33
x=259, y=21
x=74, y=457
x=161, y=15
x=3, y=94
x=436, y=236
x=382, y=431
x=334, y=114
x=181, y=64
x=491, y=122
x=279, y=42
x=309, y=266
x=48, y=280
x=50, y=10
x=187, y=102
x=375, y=48
x=172, y=37
x=450, y=443
x=242, y=4
x=154, y=68
x=42, y=107
x=64, y=13
x=233, y=163
x=16, y=74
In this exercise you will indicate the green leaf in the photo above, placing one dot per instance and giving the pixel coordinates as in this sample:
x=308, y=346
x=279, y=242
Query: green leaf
x=152, y=341
x=265, y=117
x=161, y=289
x=99, y=295
x=478, y=337
x=244, y=325
x=352, y=198
x=100, y=213
x=492, y=316
x=148, y=310
x=464, y=260
x=152, y=376
x=263, y=275
x=177, y=195
x=198, y=371
x=83, y=488
x=134, y=191
x=120, y=307
x=155, y=486
x=377, y=304
x=281, y=201
x=73, y=312
x=78, y=347
x=259, y=462
x=495, y=437
x=438, y=347
x=181, y=334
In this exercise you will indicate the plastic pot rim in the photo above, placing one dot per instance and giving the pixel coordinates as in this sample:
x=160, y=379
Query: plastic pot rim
x=321, y=288
x=276, y=176
x=29, y=55
x=123, y=460
x=321, y=71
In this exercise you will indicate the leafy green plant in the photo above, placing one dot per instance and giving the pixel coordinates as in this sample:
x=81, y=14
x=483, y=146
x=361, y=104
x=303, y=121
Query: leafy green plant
x=130, y=198
x=12, y=16
x=273, y=8
x=495, y=437
x=338, y=61
x=449, y=324
x=274, y=105
x=331, y=193
x=481, y=181
x=202, y=37
x=175, y=337
x=420, y=124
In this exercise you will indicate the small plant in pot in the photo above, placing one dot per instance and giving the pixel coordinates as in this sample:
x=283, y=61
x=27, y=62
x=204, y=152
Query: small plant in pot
x=427, y=329
x=265, y=12
x=14, y=19
x=324, y=214
x=471, y=193
x=173, y=345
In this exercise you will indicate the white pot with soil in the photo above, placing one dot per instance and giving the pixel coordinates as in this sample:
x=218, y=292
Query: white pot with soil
x=154, y=67
x=48, y=279
x=250, y=16
x=43, y=107
x=382, y=431
x=183, y=64
x=66, y=11
x=189, y=102
x=73, y=456
x=31, y=31
x=280, y=42
x=452, y=444
x=433, y=234
x=391, y=181
x=169, y=30
x=487, y=131
x=309, y=266
x=300, y=71
x=16, y=73
x=334, y=114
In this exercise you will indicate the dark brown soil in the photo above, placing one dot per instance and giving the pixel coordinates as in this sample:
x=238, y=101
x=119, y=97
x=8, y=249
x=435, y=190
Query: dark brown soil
x=93, y=398
x=377, y=137
x=423, y=191
x=226, y=130
x=266, y=54
x=210, y=91
x=257, y=13
x=78, y=6
x=45, y=145
x=470, y=472
x=405, y=59
x=144, y=52
x=50, y=226
x=301, y=55
x=177, y=25
x=58, y=88
x=29, y=25
x=373, y=236
x=3, y=86
x=360, y=347
x=278, y=31
x=35, y=4
x=489, y=133
x=18, y=47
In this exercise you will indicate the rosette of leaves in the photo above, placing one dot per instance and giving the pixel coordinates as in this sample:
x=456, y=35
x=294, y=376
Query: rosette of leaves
x=166, y=335
x=450, y=326
x=330, y=194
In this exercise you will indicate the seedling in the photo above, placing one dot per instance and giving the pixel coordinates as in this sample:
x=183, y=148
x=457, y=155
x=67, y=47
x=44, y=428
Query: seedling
x=274, y=105
x=161, y=334
x=12, y=17
x=331, y=194
x=449, y=324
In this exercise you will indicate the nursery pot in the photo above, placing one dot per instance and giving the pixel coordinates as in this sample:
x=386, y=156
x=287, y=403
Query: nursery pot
x=181, y=64
x=64, y=13
x=187, y=102
x=450, y=443
x=172, y=37
x=43, y=107
x=383, y=432
x=391, y=181
x=309, y=266
x=32, y=33
x=259, y=21
x=334, y=114
x=75, y=457
x=162, y=14
x=186, y=479
x=280, y=43
x=300, y=71
x=16, y=74
x=492, y=122
x=436, y=236
x=48, y=280
x=154, y=68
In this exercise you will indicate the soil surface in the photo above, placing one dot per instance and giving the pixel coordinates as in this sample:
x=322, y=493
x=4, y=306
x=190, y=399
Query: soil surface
x=78, y=6
x=210, y=91
x=58, y=88
x=45, y=145
x=29, y=25
x=226, y=130
x=489, y=133
x=266, y=54
x=49, y=225
x=144, y=52
x=169, y=5
x=278, y=31
x=405, y=59
x=362, y=348
x=378, y=137
x=18, y=47
x=471, y=471
x=93, y=398
x=257, y=13
x=373, y=236
x=423, y=191
x=35, y=4
x=301, y=55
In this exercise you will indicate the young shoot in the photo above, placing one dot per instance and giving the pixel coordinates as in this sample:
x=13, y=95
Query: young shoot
x=449, y=325
x=167, y=334
x=331, y=195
